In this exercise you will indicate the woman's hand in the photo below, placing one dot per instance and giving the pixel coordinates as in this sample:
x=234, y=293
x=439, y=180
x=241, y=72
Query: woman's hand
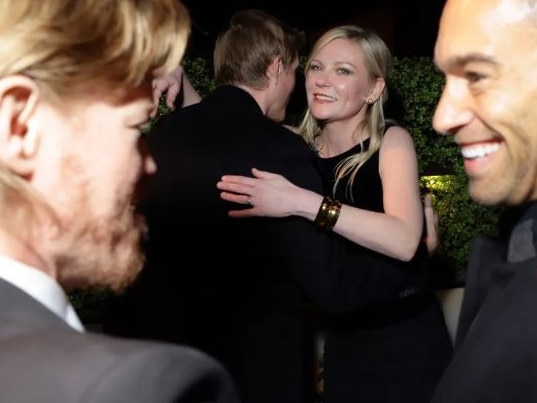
x=432, y=233
x=268, y=194
x=169, y=84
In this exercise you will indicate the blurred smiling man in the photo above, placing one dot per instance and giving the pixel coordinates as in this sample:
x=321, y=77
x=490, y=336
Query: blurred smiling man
x=487, y=52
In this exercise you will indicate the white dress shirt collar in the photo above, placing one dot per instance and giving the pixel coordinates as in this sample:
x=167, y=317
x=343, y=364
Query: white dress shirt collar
x=41, y=287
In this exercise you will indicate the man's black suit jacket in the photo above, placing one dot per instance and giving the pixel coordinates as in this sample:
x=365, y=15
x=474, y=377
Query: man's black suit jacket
x=227, y=285
x=495, y=359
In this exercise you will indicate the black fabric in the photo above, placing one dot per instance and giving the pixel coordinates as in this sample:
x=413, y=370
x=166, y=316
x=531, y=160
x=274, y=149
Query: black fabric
x=495, y=359
x=391, y=343
x=227, y=285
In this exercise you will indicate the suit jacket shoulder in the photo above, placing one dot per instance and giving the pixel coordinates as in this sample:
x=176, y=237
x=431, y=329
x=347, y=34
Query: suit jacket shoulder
x=50, y=362
x=496, y=356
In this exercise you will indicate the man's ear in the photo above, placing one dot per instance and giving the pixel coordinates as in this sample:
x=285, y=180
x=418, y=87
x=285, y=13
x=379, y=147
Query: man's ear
x=18, y=141
x=276, y=67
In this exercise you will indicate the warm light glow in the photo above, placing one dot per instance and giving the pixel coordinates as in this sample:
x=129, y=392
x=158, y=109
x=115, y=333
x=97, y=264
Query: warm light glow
x=436, y=184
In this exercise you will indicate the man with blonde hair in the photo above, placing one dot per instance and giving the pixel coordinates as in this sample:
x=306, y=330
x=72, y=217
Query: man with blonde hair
x=75, y=90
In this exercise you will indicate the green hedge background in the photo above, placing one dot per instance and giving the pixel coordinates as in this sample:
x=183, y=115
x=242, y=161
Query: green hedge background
x=418, y=85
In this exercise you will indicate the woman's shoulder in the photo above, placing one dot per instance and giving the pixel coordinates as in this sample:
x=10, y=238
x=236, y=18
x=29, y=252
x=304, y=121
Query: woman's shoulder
x=397, y=134
x=397, y=140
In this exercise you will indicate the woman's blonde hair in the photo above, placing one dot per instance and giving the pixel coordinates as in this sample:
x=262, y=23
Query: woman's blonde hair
x=378, y=62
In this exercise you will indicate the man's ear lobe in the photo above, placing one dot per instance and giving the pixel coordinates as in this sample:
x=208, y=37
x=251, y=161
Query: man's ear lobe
x=18, y=141
x=275, y=68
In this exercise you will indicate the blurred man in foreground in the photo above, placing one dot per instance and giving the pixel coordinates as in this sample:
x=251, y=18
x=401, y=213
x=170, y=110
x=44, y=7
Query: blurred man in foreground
x=75, y=90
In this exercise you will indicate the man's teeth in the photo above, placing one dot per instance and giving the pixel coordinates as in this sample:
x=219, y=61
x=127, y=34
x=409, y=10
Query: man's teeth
x=478, y=151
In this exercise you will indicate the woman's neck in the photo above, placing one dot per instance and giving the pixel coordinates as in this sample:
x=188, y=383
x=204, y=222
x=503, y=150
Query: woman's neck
x=338, y=137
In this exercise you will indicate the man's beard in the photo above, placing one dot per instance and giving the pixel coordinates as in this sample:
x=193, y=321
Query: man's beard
x=104, y=254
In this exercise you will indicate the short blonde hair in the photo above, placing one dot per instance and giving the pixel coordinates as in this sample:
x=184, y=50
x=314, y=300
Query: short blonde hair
x=62, y=44
x=251, y=42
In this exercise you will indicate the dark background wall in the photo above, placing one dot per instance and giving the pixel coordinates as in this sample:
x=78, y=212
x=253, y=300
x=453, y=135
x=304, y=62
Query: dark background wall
x=408, y=26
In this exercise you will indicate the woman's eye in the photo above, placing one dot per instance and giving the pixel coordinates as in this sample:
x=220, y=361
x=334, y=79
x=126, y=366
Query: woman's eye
x=343, y=71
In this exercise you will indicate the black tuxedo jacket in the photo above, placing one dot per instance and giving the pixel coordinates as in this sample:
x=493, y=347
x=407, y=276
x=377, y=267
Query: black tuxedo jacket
x=43, y=360
x=495, y=358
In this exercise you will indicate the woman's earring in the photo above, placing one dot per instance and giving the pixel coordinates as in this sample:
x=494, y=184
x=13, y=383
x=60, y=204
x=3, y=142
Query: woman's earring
x=369, y=101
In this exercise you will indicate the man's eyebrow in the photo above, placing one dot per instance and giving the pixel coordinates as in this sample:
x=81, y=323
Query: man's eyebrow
x=471, y=58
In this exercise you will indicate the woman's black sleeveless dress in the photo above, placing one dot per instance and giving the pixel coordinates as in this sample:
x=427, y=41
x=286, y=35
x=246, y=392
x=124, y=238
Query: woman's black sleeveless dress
x=391, y=344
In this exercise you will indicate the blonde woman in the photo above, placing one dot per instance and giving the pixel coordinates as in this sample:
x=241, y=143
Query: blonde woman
x=389, y=342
